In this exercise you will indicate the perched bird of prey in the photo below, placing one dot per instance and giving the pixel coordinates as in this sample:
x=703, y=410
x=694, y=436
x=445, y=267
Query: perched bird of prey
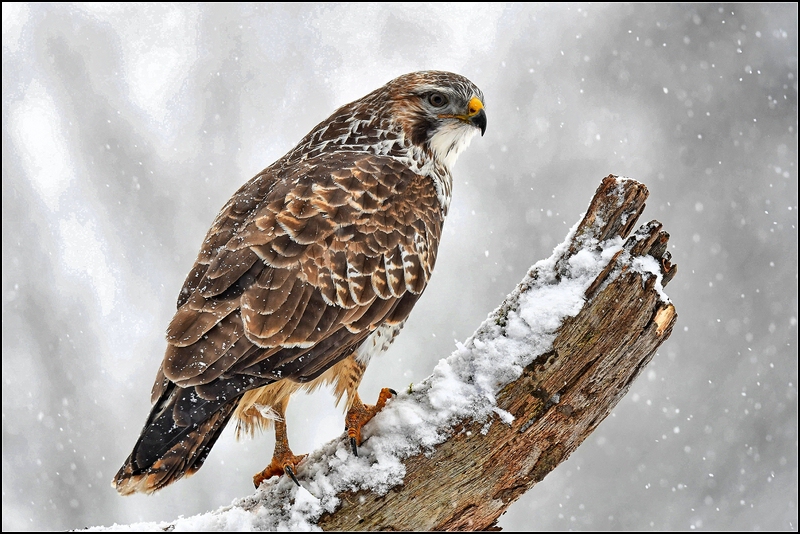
x=309, y=270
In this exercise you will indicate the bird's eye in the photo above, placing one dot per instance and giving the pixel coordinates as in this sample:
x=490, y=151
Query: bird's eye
x=437, y=100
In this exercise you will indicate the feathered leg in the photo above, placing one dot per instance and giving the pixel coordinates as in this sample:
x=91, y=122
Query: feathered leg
x=284, y=460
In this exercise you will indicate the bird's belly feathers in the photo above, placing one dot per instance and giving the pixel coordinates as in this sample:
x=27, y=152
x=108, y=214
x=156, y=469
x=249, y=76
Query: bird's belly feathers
x=255, y=410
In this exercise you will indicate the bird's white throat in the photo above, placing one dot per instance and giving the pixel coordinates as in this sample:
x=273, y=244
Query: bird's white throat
x=450, y=140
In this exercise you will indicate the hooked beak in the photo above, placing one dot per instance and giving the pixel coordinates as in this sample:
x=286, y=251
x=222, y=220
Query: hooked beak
x=476, y=115
x=479, y=120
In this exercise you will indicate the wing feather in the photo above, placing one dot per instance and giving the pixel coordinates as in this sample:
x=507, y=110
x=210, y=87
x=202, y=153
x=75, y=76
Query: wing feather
x=196, y=317
x=302, y=335
x=263, y=327
x=192, y=360
x=279, y=338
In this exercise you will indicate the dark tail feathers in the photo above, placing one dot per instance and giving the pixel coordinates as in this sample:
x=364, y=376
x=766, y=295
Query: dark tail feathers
x=179, y=433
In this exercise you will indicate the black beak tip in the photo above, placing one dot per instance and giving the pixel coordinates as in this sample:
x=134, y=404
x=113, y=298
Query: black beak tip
x=479, y=121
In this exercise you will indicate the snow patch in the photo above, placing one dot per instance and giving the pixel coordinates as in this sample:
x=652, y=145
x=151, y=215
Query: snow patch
x=648, y=266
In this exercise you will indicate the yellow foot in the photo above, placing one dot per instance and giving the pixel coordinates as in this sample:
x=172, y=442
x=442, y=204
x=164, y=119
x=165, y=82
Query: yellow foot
x=359, y=414
x=281, y=464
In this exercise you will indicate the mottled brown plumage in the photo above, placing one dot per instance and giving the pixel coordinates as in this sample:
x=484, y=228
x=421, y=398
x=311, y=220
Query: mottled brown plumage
x=309, y=269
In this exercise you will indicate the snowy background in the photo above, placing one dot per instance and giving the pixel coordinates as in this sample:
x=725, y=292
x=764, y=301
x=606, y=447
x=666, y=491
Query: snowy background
x=126, y=128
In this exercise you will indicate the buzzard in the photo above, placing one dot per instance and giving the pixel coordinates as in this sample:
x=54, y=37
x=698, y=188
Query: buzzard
x=309, y=270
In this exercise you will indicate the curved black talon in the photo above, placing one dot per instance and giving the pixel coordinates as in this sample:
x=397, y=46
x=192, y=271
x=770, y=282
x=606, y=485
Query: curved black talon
x=354, y=446
x=393, y=392
x=288, y=470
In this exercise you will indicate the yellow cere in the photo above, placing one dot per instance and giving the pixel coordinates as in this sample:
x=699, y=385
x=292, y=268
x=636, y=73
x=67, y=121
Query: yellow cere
x=475, y=105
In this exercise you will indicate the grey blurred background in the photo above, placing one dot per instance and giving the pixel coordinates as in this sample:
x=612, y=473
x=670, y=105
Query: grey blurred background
x=127, y=127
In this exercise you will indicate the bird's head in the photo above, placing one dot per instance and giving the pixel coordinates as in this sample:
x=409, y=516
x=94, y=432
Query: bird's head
x=439, y=111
